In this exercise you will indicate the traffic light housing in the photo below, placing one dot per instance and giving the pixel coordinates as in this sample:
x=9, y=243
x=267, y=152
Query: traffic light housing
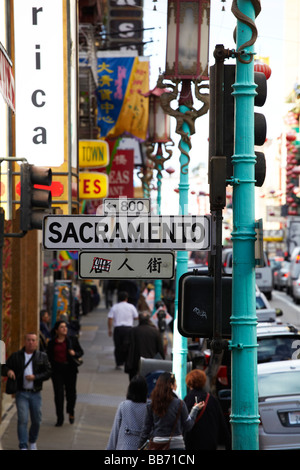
x=195, y=306
x=34, y=200
x=221, y=126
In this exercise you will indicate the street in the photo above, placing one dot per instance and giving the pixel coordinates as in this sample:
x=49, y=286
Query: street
x=291, y=311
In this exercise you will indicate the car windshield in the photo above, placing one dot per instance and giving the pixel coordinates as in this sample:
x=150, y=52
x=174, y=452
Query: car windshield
x=279, y=383
x=277, y=348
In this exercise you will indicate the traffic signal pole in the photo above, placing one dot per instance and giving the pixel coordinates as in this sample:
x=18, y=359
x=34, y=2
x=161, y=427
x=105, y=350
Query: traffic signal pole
x=180, y=348
x=244, y=416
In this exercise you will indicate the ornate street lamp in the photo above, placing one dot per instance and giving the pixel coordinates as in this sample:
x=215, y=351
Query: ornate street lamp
x=186, y=63
x=159, y=136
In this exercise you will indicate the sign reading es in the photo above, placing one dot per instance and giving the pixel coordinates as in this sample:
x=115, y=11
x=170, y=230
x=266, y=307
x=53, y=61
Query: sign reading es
x=92, y=185
x=93, y=153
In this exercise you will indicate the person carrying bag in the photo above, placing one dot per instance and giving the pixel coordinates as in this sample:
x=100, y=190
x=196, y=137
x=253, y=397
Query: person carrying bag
x=167, y=417
x=12, y=383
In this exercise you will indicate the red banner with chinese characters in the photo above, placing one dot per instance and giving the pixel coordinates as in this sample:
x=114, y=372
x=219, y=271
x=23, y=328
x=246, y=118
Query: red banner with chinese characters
x=120, y=172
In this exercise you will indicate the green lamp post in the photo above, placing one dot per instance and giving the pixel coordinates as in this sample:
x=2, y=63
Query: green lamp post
x=186, y=63
x=158, y=151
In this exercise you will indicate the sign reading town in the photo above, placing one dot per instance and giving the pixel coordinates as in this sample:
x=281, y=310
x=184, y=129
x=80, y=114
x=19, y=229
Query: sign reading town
x=146, y=232
x=126, y=264
x=93, y=153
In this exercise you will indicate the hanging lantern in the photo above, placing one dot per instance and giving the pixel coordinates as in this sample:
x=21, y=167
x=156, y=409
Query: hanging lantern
x=296, y=170
x=291, y=136
x=170, y=170
x=159, y=121
x=187, y=39
x=263, y=68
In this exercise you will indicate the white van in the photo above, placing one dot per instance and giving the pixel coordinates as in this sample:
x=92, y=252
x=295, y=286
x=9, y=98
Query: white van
x=263, y=275
x=294, y=270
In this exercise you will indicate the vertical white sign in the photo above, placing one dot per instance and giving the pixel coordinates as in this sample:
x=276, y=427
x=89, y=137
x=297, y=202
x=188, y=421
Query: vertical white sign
x=39, y=81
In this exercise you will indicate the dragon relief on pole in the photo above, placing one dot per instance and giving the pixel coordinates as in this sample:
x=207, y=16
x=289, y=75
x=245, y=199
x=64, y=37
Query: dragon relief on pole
x=189, y=116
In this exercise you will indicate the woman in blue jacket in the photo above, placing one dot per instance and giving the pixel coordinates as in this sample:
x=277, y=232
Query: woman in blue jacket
x=129, y=418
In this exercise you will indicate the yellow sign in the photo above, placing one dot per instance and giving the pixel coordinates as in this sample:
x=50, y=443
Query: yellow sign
x=93, y=153
x=93, y=185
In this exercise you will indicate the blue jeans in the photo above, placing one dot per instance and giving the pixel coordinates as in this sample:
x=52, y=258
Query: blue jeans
x=28, y=402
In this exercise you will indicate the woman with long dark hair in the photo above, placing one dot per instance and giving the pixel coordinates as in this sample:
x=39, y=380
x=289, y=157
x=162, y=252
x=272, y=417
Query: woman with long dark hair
x=167, y=417
x=63, y=352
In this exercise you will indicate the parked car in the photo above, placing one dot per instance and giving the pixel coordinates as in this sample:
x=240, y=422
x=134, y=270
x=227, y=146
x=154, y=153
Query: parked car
x=279, y=405
x=264, y=311
x=277, y=342
x=296, y=290
x=263, y=275
x=276, y=262
x=294, y=269
x=281, y=275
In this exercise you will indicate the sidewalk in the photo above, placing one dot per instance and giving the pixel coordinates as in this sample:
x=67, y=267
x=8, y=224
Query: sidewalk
x=100, y=389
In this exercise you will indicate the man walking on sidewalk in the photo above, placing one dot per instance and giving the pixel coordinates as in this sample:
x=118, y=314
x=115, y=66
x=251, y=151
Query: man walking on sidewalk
x=29, y=367
x=121, y=316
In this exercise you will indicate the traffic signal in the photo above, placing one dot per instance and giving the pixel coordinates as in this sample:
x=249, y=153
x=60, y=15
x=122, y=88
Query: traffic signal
x=195, y=306
x=221, y=124
x=34, y=200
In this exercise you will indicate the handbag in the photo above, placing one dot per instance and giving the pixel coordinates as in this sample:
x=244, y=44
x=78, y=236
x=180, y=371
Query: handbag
x=164, y=445
x=12, y=384
x=203, y=409
x=77, y=360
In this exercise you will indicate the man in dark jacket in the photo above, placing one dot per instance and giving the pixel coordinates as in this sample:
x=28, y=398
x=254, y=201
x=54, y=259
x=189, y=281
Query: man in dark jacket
x=145, y=341
x=29, y=367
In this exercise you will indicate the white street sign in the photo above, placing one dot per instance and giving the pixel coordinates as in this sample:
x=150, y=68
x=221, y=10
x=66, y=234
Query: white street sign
x=126, y=264
x=153, y=232
x=135, y=206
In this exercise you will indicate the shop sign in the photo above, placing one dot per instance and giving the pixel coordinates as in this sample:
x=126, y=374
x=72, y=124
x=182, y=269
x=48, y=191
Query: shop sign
x=92, y=185
x=93, y=153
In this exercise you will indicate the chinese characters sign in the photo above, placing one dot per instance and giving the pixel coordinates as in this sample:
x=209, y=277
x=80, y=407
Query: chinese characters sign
x=121, y=174
x=129, y=264
x=121, y=104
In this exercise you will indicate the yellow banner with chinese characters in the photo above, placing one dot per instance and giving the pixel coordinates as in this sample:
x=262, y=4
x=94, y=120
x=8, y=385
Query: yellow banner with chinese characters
x=133, y=117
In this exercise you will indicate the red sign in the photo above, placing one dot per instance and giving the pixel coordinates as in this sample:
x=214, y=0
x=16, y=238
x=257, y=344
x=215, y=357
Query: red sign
x=121, y=173
x=7, y=83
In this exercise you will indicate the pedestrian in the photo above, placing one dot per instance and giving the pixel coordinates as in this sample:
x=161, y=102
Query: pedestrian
x=29, y=368
x=120, y=322
x=65, y=354
x=109, y=290
x=132, y=289
x=44, y=329
x=129, y=418
x=145, y=341
x=167, y=417
x=210, y=430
